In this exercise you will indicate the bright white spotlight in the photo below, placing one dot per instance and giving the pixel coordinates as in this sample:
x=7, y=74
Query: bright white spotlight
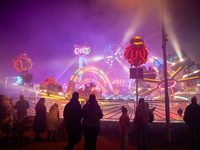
x=173, y=36
x=97, y=58
x=196, y=71
x=119, y=61
x=181, y=59
x=117, y=51
x=126, y=69
x=134, y=26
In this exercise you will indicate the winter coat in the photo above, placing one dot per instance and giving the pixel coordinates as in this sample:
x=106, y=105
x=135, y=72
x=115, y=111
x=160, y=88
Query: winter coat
x=21, y=106
x=40, y=118
x=73, y=114
x=143, y=117
x=92, y=115
x=192, y=114
x=53, y=119
x=124, y=124
x=2, y=111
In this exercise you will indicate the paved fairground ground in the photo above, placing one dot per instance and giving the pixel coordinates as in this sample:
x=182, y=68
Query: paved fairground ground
x=109, y=139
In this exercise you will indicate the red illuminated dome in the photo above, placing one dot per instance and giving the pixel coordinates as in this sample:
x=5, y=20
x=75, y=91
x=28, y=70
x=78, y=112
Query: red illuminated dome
x=136, y=54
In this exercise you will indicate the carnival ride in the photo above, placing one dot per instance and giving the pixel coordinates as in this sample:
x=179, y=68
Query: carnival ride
x=111, y=84
x=51, y=88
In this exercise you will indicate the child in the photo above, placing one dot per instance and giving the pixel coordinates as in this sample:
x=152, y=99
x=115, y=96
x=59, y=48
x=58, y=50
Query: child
x=52, y=122
x=124, y=128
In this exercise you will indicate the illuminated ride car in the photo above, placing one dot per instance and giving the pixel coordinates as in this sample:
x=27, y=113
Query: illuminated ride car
x=50, y=87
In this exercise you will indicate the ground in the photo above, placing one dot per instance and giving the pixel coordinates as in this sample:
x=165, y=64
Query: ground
x=107, y=140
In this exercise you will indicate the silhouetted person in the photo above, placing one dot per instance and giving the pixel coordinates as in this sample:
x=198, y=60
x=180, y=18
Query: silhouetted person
x=192, y=120
x=40, y=119
x=92, y=115
x=143, y=116
x=9, y=108
x=22, y=105
x=152, y=115
x=2, y=110
x=73, y=114
x=124, y=128
x=52, y=122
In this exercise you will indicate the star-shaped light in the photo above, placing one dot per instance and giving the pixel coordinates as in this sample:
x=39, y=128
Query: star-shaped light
x=116, y=92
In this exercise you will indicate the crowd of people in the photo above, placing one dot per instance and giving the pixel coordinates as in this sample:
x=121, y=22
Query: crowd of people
x=7, y=108
x=86, y=120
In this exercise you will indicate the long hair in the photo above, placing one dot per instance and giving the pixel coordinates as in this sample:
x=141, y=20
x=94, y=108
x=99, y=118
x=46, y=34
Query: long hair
x=142, y=104
x=54, y=106
x=92, y=103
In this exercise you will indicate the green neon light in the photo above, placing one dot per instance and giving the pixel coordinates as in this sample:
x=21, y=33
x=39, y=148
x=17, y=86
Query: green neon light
x=101, y=76
x=181, y=97
x=101, y=72
x=87, y=50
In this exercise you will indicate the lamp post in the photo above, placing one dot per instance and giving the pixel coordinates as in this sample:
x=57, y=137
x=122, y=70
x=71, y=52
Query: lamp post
x=167, y=111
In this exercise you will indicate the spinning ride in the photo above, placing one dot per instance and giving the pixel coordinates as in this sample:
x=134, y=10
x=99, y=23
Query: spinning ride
x=113, y=92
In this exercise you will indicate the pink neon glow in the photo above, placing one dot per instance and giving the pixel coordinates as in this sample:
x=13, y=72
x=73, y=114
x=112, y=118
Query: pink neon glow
x=81, y=51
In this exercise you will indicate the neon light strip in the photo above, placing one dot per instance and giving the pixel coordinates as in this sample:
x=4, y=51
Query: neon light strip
x=181, y=97
x=159, y=97
x=172, y=90
x=177, y=72
x=190, y=88
x=91, y=69
x=101, y=86
x=80, y=66
x=191, y=78
x=149, y=90
x=152, y=80
x=52, y=97
x=191, y=73
x=117, y=51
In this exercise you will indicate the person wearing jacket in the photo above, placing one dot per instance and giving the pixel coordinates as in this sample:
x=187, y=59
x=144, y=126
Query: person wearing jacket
x=2, y=110
x=124, y=128
x=22, y=105
x=40, y=119
x=52, y=122
x=73, y=114
x=92, y=114
x=192, y=120
x=143, y=116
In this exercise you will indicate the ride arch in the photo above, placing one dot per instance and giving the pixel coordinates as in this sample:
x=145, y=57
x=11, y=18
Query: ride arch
x=102, y=81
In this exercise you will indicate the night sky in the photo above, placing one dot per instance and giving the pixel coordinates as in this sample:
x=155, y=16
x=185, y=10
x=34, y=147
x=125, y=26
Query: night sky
x=46, y=30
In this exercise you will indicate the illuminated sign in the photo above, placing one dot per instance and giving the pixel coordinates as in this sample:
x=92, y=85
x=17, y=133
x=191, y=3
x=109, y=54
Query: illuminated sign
x=81, y=51
x=19, y=80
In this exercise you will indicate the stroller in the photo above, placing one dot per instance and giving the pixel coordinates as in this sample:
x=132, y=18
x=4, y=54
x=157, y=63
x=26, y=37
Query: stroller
x=15, y=130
